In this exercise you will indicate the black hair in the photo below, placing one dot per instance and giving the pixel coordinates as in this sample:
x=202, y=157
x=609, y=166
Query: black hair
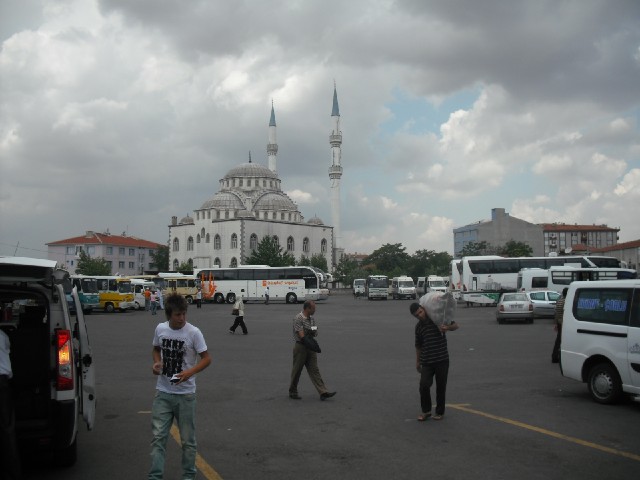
x=175, y=303
x=413, y=308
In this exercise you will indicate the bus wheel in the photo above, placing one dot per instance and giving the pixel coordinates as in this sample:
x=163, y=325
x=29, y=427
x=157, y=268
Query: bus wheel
x=109, y=308
x=291, y=298
x=137, y=306
x=231, y=298
x=218, y=298
x=189, y=300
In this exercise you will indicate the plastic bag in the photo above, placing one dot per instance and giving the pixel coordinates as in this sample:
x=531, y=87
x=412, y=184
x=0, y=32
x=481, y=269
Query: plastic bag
x=440, y=307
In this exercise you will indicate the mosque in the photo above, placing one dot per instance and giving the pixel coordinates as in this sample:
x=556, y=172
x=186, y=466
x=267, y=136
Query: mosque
x=250, y=205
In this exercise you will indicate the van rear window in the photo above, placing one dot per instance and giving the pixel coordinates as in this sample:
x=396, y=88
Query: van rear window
x=609, y=306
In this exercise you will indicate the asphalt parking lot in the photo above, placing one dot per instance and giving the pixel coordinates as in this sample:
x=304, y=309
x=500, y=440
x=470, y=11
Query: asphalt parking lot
x=510, y=414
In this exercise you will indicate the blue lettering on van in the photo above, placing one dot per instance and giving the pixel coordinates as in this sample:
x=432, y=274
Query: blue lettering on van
x=588, y=303
x=615, y=306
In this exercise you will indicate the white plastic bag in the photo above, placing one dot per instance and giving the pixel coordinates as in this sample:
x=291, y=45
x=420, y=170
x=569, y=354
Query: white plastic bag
x=440, y=307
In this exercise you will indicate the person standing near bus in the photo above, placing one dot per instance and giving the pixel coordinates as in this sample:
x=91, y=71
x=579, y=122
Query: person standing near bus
x=266, y=295
x=147, y=298
x=199, y=298
x=153, y=299
x=559, y=313
x=239, y=321
x=305, y=324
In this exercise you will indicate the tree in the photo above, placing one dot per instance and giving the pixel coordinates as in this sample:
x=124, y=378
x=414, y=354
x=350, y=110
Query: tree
x=160, y=259
x=186, y=267
x=516, y=249
x=478, y=248
x=347, y=270
x=390, y=260
x=92, y=266
x=429, y=262
x=268, y=252
x=319, y=261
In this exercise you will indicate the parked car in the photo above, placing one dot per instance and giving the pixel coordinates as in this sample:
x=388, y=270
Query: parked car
x=514, y=306
x=544, y=302
x=53, y=373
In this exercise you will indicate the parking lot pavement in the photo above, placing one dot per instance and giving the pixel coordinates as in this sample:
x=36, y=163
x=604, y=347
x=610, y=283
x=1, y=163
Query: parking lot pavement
x=510, y=413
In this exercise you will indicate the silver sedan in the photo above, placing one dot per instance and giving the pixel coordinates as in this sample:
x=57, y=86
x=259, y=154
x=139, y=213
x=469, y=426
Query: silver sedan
x=514, y=306
x=544, y=302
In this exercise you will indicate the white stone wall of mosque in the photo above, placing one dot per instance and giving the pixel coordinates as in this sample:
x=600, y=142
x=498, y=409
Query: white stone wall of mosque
x=228, y=242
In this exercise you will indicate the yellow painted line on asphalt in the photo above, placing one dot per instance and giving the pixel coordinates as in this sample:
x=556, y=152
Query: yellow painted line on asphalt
x=560, y=436
x=206, y=469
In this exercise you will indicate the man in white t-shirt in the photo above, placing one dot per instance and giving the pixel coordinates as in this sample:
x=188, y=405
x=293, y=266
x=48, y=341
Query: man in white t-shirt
x=179, y=353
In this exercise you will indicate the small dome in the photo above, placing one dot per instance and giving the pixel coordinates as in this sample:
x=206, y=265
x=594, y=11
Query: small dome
x=186, y=220
x=250, y=170
x=275, y=201
x=315, y=221
x=223, y=200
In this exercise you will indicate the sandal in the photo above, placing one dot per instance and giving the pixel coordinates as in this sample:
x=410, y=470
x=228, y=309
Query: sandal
x=423, y=417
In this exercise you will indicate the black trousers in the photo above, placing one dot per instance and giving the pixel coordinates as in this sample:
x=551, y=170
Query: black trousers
x=9, y=455
x=239, y=323
x=440, y=371
x=555, y=354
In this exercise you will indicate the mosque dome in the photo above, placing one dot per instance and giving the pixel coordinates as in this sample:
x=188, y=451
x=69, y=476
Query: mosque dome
x=315, y=221
x=223, y=200
x=186, y=220
x=275, y=201
x=251, y=170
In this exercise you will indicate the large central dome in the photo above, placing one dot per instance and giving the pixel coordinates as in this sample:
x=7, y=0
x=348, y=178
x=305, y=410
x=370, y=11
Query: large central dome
x=250, y=170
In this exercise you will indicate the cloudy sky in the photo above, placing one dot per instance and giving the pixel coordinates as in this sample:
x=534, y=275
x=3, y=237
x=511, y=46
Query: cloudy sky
x=118, y=114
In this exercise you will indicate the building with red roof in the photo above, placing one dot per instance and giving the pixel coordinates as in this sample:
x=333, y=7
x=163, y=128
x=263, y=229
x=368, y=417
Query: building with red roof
x=126, y=254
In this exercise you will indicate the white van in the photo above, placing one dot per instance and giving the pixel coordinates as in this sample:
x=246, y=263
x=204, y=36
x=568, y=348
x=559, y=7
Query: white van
x=601, y=338
x=532, y=279
x=53, y=372
x=359, y=287
x=402, y=287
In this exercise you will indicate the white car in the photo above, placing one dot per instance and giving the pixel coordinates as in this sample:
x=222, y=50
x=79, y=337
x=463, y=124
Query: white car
x=544, y=302
x=514, y=306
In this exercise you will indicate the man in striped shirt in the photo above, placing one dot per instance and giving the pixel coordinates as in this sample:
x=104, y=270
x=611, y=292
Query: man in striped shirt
x=432, y=360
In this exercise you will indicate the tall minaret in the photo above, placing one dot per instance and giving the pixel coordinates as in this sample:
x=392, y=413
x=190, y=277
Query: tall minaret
x=335, y=174
x=272, y=146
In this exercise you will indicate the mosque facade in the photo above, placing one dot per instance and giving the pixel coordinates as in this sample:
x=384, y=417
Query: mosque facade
x=250, y=205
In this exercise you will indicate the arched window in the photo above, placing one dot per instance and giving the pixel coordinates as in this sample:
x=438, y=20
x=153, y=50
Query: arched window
x=176, y=245
x=217, y=262
x=218, y=214
x=276, y=240
x=202, y=232
x=274, y=215
x=208, y=239
x=253, y=241
x=282, y=216
x=217, y=244
x=198, y=239
x=234, y=241
x=305, y=245
x=190, y=243
x=175, y=265
x=226, y=214
x=323, y=245
x=290, y=244
x=234, y=262
x=190, y=263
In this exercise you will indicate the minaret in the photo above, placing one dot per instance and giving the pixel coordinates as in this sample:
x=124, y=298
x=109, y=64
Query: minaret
x=272, y=146
x=335, y=174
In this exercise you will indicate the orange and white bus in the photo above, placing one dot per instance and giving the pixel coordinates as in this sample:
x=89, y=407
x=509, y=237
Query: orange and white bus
x=287, y=284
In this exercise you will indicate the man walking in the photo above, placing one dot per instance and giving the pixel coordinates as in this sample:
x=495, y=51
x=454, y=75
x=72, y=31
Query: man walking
x=432, y=360
x=305, y=324
x=558, y=314
x=179, y=353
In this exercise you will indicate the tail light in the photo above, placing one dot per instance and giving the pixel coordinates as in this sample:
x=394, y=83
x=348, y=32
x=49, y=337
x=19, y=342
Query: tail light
x=531, y=307
x=64, y=367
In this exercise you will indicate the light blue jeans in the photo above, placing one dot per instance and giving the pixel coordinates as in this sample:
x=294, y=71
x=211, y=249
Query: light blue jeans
x=166, y=407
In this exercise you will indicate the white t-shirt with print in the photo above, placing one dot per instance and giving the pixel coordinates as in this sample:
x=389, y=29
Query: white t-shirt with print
x=179, y=352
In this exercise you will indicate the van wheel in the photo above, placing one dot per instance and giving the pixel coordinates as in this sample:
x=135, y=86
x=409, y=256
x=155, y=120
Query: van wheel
x=604, y=384
x=109, y=308
x=66, y=457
